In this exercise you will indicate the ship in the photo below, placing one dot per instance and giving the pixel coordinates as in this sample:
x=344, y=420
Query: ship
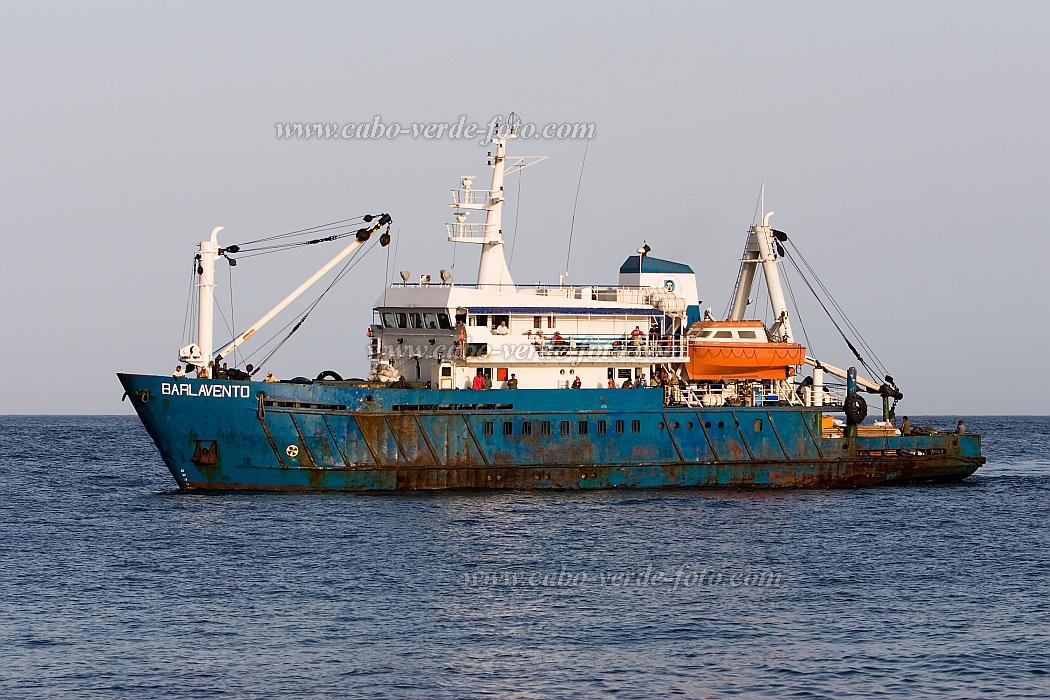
x=493, y=384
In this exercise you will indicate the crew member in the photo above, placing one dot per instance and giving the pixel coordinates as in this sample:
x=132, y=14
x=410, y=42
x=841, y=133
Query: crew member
x=637, y=340
x=270, y=378
x=178, y=373
x=960, y=428
x=577, y=383
x=479, y=381
x=512, y=383
x=905, y=426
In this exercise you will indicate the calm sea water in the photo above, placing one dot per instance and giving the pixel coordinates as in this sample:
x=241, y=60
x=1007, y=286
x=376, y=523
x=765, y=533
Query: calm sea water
x=112, y=583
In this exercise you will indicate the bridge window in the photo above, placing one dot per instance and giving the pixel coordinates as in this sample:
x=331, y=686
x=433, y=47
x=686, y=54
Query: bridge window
x=537, y=321
x=724, y=334
x=748, y=335
x=402, y=320
x=431, y=320
x=416, y=319
x=443, y=321
x=479, y=320
x=389, y=321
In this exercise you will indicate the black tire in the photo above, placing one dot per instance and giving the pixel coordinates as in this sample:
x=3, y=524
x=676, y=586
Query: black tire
x=329, y=375
x=856, y=409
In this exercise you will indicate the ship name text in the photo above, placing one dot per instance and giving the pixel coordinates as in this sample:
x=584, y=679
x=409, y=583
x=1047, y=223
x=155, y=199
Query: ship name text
x=215, y=391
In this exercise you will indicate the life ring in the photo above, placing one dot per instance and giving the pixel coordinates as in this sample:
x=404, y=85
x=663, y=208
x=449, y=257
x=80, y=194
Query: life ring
x=856, y=409
x=330, y=375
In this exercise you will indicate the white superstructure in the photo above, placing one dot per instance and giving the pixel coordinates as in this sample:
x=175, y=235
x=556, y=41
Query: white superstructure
x=542, y=336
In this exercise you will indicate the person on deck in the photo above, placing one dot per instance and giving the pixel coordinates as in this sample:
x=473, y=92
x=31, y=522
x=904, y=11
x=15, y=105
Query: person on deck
x=640, y=384
x=459, y=346
x=512, y=383
x=577, y=383
x=960, y=428
x=479, y=381
x=612, y=383
x=637, y=340
x=627, y=384
x=178, y=373
x=905, y=426
x=270, y=378
x=502, y=329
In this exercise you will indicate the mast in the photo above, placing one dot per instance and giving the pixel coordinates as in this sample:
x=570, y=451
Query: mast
x=493, y=270
x=761, y=249
x=209, y=253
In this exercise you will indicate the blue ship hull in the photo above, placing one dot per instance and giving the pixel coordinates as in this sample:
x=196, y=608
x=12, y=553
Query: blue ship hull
x=223, y=435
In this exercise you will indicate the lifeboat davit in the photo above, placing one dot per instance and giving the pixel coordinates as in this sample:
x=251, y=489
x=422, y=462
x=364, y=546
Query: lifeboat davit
x=739, y=350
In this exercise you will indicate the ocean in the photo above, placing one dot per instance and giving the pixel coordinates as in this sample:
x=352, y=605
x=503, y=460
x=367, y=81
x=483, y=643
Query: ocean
x=115, y=584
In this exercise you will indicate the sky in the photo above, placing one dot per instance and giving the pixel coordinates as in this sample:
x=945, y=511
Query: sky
x=904, y=148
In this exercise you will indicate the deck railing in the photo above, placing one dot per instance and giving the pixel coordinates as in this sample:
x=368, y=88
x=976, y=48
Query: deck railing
x=624, y=345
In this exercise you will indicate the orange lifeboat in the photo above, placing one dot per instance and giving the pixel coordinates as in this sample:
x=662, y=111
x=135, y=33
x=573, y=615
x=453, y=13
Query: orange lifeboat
x=739, y=350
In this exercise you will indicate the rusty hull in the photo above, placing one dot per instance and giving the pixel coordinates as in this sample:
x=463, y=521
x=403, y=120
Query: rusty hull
x=335, y=437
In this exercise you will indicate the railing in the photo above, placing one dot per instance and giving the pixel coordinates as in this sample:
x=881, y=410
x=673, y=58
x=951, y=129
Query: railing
x=600, y=346
x=468, y=232
x=472, y=198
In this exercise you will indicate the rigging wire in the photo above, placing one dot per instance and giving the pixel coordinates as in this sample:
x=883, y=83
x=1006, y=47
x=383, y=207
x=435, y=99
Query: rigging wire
x=517, y=211
x=849, y=324
x=576, y=201
x=233, y=319
x=189, y=304
x=798, y=311
x=831, y=317
x=300, y=318
x=309, y=229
